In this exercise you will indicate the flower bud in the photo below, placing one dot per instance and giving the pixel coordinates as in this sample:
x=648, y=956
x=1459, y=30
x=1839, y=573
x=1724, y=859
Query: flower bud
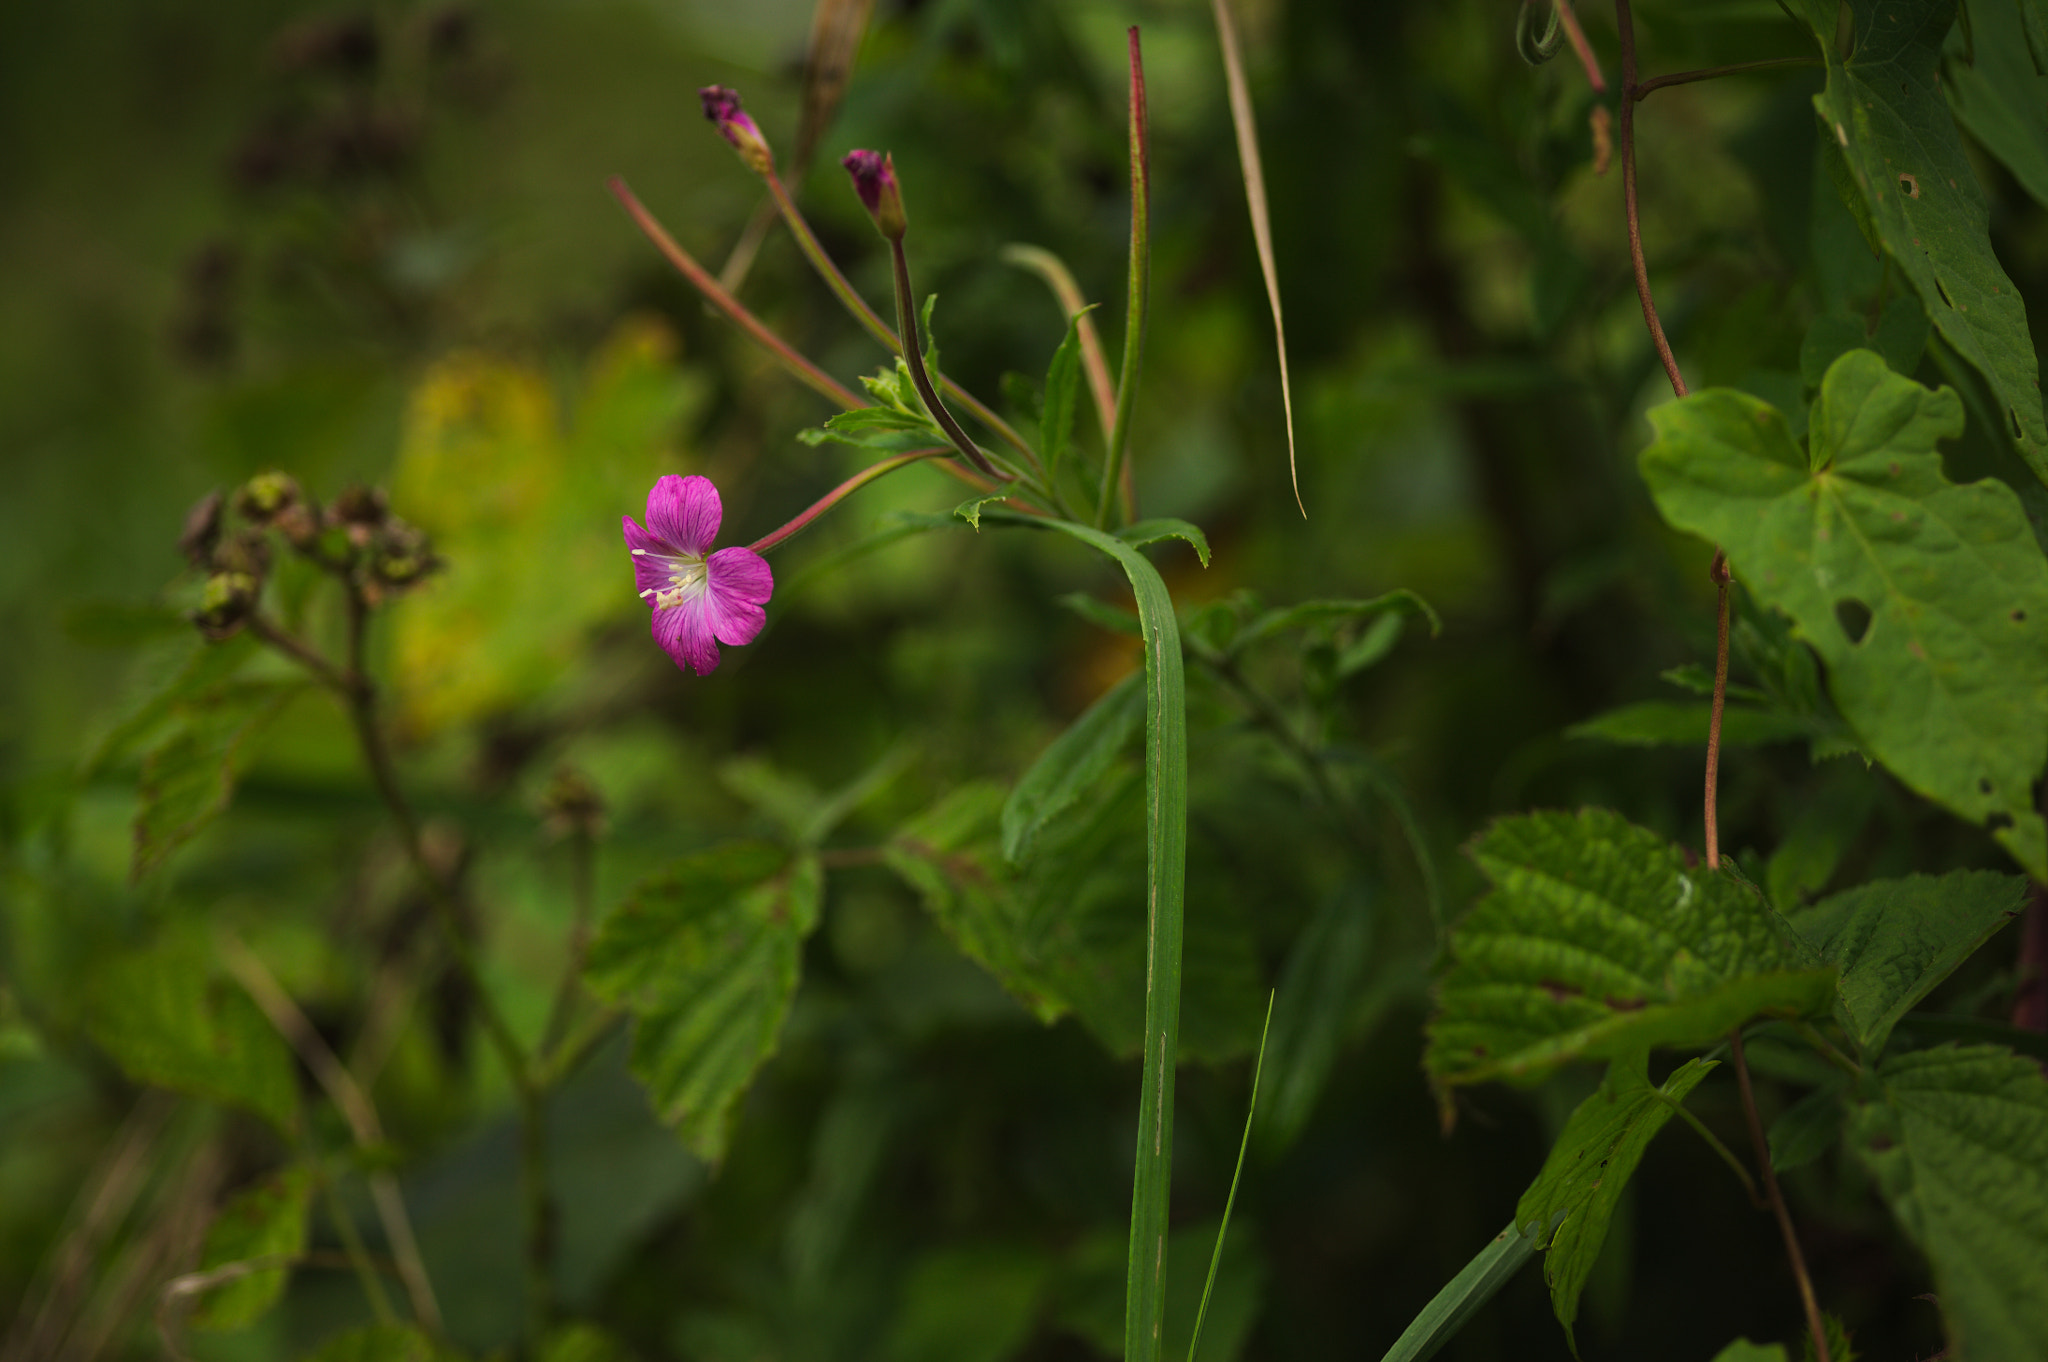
x=359, y=512
x=874, y=179
x=400, y=557
x=245, y=551
x=722, y=106
x=226, y=605
x=266, y=496
x=201, y=531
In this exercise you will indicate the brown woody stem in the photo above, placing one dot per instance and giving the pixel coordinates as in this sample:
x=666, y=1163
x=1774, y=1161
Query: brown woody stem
x=1777, y=1199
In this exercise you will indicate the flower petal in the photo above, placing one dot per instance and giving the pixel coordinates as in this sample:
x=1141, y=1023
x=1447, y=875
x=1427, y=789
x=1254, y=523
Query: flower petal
x=737, y=585
x=684, y=633
x=684, y=513
x=650, y=559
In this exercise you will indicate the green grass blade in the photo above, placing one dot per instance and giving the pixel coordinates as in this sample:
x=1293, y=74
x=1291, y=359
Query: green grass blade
x=1216, y=1258
x=1459, y=1301
x=1166, y=839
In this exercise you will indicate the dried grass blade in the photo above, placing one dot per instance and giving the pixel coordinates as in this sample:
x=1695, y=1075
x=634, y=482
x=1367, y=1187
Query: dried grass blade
x=1255, y=198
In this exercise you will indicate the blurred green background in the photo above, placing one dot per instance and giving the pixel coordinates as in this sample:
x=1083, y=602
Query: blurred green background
x=372, y=244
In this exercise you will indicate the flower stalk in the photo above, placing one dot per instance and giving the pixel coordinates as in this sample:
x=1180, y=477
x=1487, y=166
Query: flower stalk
x=1140, y=288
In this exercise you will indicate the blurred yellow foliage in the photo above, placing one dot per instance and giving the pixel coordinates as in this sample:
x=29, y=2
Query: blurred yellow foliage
x=521, y=487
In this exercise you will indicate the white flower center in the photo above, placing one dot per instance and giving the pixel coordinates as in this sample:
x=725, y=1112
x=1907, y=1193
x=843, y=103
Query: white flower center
x=687, y=577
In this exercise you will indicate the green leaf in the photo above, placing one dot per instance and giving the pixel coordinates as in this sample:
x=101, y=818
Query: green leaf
x=706, y=957
x=1453, y=1307
x=1166, y=835
x=1598, y=941
x=1144, y=532
x=1900, y=335
x=581, y=1342
x=2034, y=19
x=1832, y=815
x=1997, y=93
x=789, y=800
x=1582, y=1180
x=204, y=669
x=1884, y=108
x=1074, y=761
x=970, y=510
x=1958, y=1142
x=1323, y=614
x=1742, y=1350
x=1668, y=723
x=1804, y=1130
x=968, y=1305
x=188, y=778
x=383, y=1343
x=1312, y=1010
x=1101, y=614
x=1894, y=940
x=267, y=1221
x=1927, y=601
x=169, y=1018
x=1062, y=398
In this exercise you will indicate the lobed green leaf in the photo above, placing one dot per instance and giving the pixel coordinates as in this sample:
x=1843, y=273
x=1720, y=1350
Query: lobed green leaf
x=1927, y=601
x=1885, y=111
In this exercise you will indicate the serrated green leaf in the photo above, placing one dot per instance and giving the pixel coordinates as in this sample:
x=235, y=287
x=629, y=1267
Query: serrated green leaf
x=188, y=778
x=970, y=509
x=1944, y=673
x=1144, y=532
x=1997, y=93
x=168, y=1017
x=1805, y=1130
x=1667, y=723
x=1062, y=397
x=1597, y=941
x=1958, y=1142
x=1319, y=614
x=205, y=667
x=1884, y=109
x=1595, y=1154
x=383, y=1343
x=1451, y=1308
x=267, y=1221
x=1894, y=940
x=1073, y=762
x=706, y=957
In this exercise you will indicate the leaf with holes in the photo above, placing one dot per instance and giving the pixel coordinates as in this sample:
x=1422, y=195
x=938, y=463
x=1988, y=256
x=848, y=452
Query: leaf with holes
x=1598, y=941
x=1894, y=940
x=1927, y=601
x=705, y=955
x=1957, y=1139
x=1582, y=1180
x=1884, y=107
x=1996, y=92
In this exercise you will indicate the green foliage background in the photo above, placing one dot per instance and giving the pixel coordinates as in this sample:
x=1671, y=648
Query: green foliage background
x=230, y=248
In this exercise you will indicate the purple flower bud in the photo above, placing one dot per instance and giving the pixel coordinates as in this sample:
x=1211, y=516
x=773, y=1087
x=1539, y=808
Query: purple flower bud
x=722, y=106
x=874, y=179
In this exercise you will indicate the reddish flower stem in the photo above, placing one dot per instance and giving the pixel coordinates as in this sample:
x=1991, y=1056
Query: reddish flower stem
x=1814, y=1325
x=840, y=493
x=700, y=278
x=1569, y=18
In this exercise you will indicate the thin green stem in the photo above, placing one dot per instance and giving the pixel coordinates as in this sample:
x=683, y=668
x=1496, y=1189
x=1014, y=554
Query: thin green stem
x=367, y=1275
x=1140, y=288
x=873, y=472
x=582, y=899
x=576, y=1047
x=913, y=358
x=814, y=251
x=1716, y=72
x=1714, y=1143
x=1828, y=1050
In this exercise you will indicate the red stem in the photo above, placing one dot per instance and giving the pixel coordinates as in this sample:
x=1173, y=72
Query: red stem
x=1569, y=17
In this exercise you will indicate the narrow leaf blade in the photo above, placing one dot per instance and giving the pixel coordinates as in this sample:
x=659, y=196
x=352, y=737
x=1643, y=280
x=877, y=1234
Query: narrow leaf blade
x=1074, y=761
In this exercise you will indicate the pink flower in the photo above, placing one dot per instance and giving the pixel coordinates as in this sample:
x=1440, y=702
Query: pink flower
x=722, y=107
x=700, y=599
x=874, y=179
